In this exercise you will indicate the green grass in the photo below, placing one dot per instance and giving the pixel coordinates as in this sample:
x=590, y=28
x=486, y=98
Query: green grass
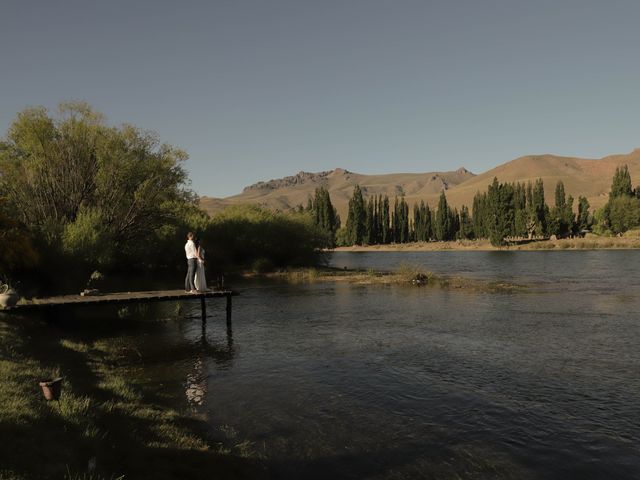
x=300, y=275
x=414, y=274
x=105, y=426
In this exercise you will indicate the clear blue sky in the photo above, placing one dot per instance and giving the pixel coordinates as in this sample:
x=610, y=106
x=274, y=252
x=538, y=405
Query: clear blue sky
x=254, y=90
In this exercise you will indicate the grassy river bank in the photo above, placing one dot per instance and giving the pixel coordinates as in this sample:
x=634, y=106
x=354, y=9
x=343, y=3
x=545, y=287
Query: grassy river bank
x=630, y=240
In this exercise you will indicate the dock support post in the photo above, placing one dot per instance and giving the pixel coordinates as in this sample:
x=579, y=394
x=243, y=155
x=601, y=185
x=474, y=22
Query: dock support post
x=229, y=309
x=203, y=306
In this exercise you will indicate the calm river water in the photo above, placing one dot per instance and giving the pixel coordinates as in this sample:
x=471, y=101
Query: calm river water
x=328, y=380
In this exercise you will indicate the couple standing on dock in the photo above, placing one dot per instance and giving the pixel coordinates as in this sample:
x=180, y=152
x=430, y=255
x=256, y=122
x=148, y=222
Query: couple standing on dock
x=195, y=281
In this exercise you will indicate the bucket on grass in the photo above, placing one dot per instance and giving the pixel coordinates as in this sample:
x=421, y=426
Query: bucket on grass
x=51, y=388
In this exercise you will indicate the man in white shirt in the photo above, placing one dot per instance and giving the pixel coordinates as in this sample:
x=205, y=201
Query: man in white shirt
x=192, y=255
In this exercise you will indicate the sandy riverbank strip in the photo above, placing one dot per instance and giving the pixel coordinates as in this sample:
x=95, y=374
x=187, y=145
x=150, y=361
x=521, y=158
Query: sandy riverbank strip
x=590, y=242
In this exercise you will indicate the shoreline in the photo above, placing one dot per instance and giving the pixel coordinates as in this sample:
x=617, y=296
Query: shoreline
x=590, y=242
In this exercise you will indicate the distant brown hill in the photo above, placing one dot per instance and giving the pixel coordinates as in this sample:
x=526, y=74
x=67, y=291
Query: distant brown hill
x=588, y=177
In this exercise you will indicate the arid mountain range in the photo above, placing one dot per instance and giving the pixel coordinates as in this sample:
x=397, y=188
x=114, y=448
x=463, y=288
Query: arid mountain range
x=587, y=177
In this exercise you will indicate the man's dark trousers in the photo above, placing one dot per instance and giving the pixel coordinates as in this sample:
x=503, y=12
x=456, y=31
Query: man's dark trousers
x=191, y=275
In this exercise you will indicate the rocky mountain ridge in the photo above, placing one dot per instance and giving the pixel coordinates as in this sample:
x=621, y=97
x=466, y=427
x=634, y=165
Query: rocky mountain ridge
x=299, y=178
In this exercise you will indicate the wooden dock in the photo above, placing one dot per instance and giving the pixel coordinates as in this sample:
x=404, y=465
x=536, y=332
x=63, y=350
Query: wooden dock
x=125, y=298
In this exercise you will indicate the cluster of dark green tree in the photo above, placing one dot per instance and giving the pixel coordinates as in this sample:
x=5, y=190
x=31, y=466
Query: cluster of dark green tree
x=519, y=210
x=504, y=210
x=323, y=214
x=622, y=210
x=77, y=195
x=375, y=221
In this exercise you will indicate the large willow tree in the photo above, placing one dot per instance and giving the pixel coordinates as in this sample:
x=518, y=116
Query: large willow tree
x=87, y=189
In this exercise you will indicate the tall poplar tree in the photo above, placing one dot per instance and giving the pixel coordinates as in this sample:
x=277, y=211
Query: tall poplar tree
x=403, y=221
x=500, y=204
x=443, y=225
x=466, y=224
x=385, y=228
x=539, y=209
x=369, y=224
x=356, y=218
x=583, y=220
x=561, y=218
x=324, y=214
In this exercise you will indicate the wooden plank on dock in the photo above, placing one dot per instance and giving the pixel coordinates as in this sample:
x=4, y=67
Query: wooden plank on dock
x=121, y=297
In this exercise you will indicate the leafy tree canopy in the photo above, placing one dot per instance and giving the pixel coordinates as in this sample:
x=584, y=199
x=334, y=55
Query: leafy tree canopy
x=86, y=188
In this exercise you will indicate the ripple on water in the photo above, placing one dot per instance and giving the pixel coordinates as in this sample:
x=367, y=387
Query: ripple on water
x=338, y=381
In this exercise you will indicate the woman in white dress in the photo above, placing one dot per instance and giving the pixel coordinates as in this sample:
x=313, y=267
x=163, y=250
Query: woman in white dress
x=201, y=280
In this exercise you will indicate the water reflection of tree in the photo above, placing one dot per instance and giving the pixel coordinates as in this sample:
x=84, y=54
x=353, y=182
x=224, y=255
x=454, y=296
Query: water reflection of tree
x=196, y=386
